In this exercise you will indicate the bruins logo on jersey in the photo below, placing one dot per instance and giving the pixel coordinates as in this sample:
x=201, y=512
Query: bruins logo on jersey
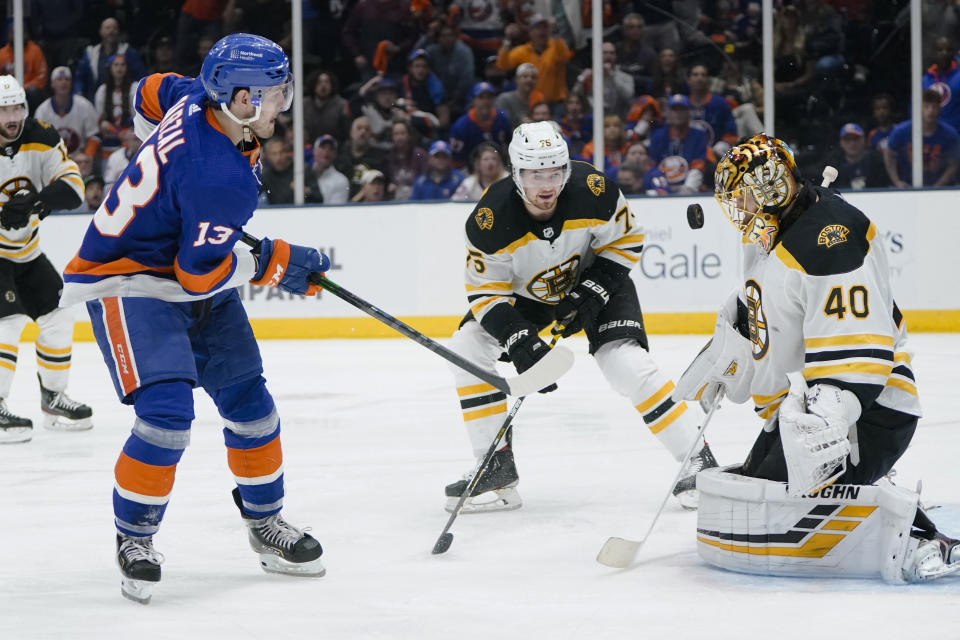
x=551, y=284
x=484, y=218
x=596, y=184
x=756, y=320
x=832, y=235
x=11, y=186
x=731, y=370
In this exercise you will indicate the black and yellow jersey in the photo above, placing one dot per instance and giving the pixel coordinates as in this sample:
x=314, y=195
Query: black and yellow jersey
x=820, y=302
x=36, y=159
x=510, y=254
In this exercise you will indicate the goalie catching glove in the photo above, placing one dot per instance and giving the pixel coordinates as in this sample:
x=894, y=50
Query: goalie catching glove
x=289, y=266
x=525, y=348
x=16, y=212
x=814, y=428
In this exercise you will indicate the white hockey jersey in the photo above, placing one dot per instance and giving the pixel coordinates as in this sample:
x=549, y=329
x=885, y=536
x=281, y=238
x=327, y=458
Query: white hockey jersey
x=510, y=254
x=37, y=158
x=820, y=302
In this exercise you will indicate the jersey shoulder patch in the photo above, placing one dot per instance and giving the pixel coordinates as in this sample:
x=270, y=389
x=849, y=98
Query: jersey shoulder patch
x=38, y=132
x=498, y=219
x=589, y=194
x=830, y=237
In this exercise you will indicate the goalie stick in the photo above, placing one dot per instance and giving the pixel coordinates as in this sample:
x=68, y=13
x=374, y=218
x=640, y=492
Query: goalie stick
x=542, y=374
x=620, y=553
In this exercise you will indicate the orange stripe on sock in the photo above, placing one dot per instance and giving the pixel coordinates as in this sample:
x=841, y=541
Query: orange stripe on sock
x=145, y=479
x=256, y=462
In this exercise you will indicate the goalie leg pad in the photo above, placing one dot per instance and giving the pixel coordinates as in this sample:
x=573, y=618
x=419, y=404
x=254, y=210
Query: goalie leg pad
x=751, y=525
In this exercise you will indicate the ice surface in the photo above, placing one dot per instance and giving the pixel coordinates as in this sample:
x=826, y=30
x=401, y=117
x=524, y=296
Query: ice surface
x=371, y=434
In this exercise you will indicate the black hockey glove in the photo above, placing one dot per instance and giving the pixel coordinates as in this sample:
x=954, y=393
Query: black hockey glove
x=581, y=306
x=18, y=209
x=525, y=348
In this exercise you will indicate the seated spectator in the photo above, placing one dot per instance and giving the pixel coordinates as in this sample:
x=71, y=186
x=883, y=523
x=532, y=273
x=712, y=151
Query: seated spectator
x=710, y=112
x=941, y=148
x=34, y=67
x=652, y=180
x=376, y=32
x=743, y=93
x=614, y=145
x=74, y=117
x=324, y=110
x=882, y=108
x=482, y=123
x=423, y=89
x=793, y=69
x=114, y=101
x=495, y=77
x=644, y=116
x=630, y=179
x=858, y=166
x=944, y=77
x=480, y=22
x=84, y=163
x=454, y=64
x=92, y=70
x=441, y=180
x=487, y=164
x=162, y=56
x=548, y=55
x=377, y=101
x=372, y=187
x=516, y=104
x=618, y=88
x=540, y=112
x=93, y=193
x=358, y=156
x=324, y=183
x=405, y=162
x=276, y=179
x=679, y=150
x=637, y=57
x=668, y=78
x=576, y=122
x=119, y=159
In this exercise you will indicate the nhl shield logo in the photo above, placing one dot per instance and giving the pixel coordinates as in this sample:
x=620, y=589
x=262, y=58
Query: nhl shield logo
x=484, y=218
x=595, y=183
x=832, y=235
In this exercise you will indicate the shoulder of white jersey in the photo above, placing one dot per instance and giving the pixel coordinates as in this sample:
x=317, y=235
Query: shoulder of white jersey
x=589, y=194
x=830, y=237
x=499, y=218
x=39, y=135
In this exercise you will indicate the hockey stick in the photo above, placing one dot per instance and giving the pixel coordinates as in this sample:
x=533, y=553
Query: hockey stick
x=619, y=553
x=542, y=374
x=446, y=538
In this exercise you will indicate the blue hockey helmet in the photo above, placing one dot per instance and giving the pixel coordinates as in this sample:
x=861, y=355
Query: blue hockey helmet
x=246, y=61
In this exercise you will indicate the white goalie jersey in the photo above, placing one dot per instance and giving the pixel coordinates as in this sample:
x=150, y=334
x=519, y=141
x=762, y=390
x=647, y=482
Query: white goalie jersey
x=510, y=254
x=820, y=302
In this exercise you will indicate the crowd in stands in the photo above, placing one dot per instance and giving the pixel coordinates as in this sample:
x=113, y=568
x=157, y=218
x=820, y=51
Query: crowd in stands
x=417, y=99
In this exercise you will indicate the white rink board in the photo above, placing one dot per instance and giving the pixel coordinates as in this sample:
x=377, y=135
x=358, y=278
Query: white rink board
x=407, y=258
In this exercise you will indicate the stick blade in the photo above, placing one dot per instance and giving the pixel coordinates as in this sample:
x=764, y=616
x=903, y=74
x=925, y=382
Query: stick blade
x=443, y=543
x=618, y=553
x=542, y=374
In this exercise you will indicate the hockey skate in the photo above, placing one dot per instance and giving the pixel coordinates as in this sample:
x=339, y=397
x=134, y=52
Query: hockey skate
x=62, y=413
x=495, y=491
x=140, y=565
x=13, y=428
x=282, y=547
x=686, y=488
x=931, y=559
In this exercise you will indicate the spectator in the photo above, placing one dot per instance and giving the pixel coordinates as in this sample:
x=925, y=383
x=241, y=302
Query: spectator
x=92, y=70
x=276, y=180
x=516, y=104
x=882, y=107
x=198, y=18
x=120, y=158
x=204, y=43
x=84, y=163
x=423, y=89
x=576, y=122
x=357, y=155
x=793, y=70
x=548, y=55
x=93, y=192
x=378, y=101
x=652, y=180
x=482, y=123
x=644, y=116
x=618, y=88
x=680, y=151
x=614, y=146
x=540, y=112
x=324, y=183
x=57, y=24
x=375, y=32
x=943, y=76
x=660, y=28
x=487, y=164
x=745, y=95
x=34, y=67
x=441, y=180
x=114, y=103
x=858, y=166
x=637, y=57
x=495, y=77
x=372, y=187
x=162, y=56
x=405, y=162
x=941, y=148
x=74, y=117
x=324, y=111
x=630, y=179
x=668, y=78
x=710, y=112
x=453, y=62
x=480, y=22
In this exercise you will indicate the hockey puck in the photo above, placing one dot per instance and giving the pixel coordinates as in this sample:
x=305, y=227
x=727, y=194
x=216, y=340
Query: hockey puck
x=695, y=216
x=443, y=543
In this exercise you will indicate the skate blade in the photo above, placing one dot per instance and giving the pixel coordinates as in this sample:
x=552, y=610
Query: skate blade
x=275, y=564
x=506, y=499
x=15, y=435
x=137, y=590
x=59, y=423
x=689, y=500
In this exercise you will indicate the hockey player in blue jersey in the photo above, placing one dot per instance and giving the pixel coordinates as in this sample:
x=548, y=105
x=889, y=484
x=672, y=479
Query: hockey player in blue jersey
x=158, y=269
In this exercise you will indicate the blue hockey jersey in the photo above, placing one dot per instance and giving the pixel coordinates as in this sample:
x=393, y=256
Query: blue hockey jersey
x=168, y=226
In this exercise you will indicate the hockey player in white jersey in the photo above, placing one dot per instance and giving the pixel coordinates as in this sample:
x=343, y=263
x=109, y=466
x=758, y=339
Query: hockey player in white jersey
x=36, y=177
x=815, y=338
x=556, y=242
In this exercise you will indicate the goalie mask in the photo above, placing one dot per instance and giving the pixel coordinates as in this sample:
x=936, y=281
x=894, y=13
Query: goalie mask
x=756, y=182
